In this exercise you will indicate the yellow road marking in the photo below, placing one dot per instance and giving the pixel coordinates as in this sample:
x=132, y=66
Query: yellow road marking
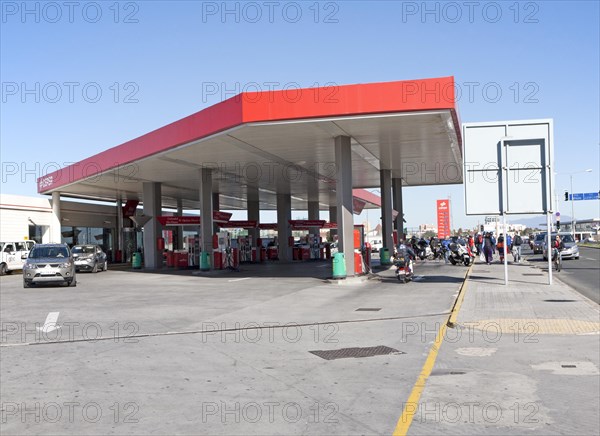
x=411, y=405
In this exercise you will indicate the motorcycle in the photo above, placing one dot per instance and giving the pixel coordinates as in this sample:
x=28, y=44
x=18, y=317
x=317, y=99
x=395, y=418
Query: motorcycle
x=424, y=251
x=404, y=269
x=460, y=252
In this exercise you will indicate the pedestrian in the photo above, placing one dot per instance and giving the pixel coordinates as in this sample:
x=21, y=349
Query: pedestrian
x=500, y=247
x=479, y=244
x=516, y=247
x=488, y=248
x=471, y=243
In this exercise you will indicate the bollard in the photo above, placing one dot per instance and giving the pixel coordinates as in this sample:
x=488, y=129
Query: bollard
x=339, y=266
x=384, y=256
x=136, y=260
x=204, y=261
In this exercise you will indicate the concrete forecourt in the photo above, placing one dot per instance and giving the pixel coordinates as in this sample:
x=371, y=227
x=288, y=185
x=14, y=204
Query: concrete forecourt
x=242, y=353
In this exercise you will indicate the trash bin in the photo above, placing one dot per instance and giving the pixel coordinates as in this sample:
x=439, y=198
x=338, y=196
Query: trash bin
x=384, y=256
x=339, y=266
x=358, y=266
x=136, y=260
x=204, y=261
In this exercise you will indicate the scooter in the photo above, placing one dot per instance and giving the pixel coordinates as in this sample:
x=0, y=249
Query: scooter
x=424, y=250
x=460, y=253
x=404, y=269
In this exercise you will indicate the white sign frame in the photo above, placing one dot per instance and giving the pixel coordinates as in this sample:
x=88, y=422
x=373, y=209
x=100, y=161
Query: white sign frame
x=488, y=171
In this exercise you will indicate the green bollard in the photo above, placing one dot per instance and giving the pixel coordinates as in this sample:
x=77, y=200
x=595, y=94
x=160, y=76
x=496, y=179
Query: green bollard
x=136, y=260
x=205, y=261
x=339, y=266
x=384, y=256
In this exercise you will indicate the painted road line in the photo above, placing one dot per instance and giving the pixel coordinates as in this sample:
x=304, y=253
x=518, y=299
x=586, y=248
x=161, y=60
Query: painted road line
x=411, y=405
x=589, y=258
x=459, y=300
x=50, y=323
x=239, y=280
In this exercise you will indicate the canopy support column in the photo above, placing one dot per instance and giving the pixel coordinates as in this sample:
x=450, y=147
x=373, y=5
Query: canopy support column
x=386, y=209
x=343, y=193
x=152, y=229
x=284, y=230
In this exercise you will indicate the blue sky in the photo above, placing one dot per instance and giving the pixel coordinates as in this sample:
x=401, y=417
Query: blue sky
x=543, y=56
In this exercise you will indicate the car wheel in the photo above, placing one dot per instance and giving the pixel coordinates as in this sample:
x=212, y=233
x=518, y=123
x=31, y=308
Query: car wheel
x=72, y=283
x=576, y=258
x=3, y=269
x=26, y=285
x=95, y=268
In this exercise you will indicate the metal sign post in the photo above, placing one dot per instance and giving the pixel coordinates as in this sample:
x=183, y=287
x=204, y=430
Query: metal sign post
x=549, y=224
x=504, y=247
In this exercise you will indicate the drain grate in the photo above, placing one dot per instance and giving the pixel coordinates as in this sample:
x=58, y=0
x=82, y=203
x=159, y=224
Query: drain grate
x=569, y=366
x=368, y=309
x=532, y=274
x=346, y=353
x=560, y=301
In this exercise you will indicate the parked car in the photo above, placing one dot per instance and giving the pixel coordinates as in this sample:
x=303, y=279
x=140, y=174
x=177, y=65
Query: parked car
x=571, y=250
x=13, y=255
x=538, y=243
x=89, y=258
x=49, y=263
x=376, y=245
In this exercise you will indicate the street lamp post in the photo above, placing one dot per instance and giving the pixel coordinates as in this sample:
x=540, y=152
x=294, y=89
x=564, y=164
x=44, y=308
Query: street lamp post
x=573, y=220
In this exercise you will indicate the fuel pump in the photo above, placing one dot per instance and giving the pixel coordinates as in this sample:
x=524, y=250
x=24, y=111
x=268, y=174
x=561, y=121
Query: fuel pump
x=315, y=246
x=194, y=251
x=221, y=243
x=245, y=249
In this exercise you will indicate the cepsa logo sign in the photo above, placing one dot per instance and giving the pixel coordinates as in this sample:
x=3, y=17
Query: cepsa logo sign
x=45, y=182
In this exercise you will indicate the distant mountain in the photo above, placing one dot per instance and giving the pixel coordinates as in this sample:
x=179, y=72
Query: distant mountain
x=537, y=221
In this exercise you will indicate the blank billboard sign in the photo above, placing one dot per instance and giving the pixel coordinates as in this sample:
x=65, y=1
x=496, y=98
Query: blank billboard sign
x=508, y=167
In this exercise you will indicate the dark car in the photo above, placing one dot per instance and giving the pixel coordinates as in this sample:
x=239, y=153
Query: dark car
x=538, y=243
x=49, y=264
x=89, y=258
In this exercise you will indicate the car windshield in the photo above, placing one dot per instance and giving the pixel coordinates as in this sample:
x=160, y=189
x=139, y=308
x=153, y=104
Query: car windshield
x=565, y=238
x=45, y=252
x=540, y=237
x=85, y=250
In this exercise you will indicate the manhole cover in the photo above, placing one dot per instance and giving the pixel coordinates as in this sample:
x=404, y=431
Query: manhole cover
x=346, y=353
x=368, y=309
x=560, y=301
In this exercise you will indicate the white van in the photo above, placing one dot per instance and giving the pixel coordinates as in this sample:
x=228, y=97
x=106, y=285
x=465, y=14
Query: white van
x=13, y=255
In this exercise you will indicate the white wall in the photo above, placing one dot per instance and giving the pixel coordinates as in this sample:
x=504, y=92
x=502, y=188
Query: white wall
x=17, y=211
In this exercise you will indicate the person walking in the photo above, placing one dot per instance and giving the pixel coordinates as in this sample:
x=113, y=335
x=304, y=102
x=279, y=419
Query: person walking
x=488, y=248
x=516, y=247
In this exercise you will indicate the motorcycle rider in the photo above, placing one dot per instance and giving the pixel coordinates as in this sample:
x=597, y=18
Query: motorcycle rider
x=404, y=250
x=446, y=249
x=557, y=246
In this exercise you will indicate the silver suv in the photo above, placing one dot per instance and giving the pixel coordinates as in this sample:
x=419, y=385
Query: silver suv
x=49, y=263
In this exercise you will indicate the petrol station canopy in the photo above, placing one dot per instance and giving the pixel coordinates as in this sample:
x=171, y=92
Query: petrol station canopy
x=283, y=142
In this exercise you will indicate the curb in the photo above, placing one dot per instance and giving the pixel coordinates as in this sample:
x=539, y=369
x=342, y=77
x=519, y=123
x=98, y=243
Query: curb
x=459, y=299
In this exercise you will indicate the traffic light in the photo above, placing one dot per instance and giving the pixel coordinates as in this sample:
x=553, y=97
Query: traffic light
x=557, y=226
x=566, y=195
x=481, y=228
